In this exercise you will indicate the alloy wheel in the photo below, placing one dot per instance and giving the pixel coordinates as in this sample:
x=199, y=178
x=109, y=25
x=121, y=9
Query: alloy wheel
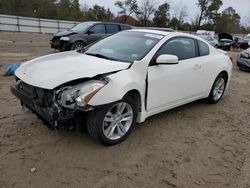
x=218, y=89
x=79, y=46
x=117, y=121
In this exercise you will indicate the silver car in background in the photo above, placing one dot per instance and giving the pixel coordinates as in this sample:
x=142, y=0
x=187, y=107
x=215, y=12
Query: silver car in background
x=210, y=40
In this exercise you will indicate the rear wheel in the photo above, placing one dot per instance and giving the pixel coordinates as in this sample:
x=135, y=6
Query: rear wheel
x=218, y=89
x=112, y=123
x=77, y=45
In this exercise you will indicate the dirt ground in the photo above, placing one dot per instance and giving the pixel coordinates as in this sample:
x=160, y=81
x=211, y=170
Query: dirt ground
x=196, y=145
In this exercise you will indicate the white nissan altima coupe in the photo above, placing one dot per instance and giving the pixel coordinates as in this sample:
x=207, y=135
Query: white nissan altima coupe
x=121, y=80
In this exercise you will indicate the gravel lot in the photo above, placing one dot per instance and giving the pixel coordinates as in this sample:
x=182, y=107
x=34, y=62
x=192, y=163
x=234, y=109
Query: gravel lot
x=196, y=145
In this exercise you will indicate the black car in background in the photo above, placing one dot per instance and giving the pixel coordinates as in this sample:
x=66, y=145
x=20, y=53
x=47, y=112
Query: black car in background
x=84, y=34
x=243, y=60
x=225, y=41
x=240, y=43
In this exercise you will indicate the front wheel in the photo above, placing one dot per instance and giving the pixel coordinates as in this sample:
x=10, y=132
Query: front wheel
x=218, y=89
x=77, y=45
x=112, y=123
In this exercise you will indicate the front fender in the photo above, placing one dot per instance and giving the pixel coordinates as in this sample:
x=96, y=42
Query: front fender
x=77, y=38
x=119, y=84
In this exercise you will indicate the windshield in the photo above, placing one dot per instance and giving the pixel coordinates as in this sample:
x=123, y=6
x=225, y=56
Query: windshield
x=247, y=38
x=81, y=27
x=125, y=46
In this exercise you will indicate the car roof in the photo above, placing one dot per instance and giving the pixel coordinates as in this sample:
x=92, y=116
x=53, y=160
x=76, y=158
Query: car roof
x=94, y=22
x=156, y=28
x=153, y=31
x=98, y=22
x=165, y=33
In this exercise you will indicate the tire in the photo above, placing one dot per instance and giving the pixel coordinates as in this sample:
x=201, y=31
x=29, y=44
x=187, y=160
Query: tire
x=217, y=90
x=77, y=45
x=105, y=125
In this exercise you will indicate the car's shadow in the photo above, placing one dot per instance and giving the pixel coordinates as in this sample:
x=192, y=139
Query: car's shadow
x=178, y=112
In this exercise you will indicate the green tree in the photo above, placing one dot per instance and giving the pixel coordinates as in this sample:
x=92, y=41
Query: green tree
x=208, y=10
x=174, y=23
x=161, y=16
x=75, y=10
x=31, y=8
x=228, y=21
x=69, y=10
x=98, y=13
x=186, y=27
x=44, y=9
x=128, y=7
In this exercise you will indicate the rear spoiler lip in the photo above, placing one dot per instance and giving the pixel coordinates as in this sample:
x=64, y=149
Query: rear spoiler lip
x=225, y=53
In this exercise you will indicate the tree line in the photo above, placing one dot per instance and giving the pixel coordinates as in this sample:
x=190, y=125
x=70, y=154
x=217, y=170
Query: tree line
x=147, y=13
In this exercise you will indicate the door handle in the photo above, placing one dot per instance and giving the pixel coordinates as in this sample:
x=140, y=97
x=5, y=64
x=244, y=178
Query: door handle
x=197, y=66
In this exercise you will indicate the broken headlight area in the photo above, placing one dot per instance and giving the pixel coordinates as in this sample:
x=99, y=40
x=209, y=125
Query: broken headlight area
x=58, y=107
x=77, y=97
x=42, y=102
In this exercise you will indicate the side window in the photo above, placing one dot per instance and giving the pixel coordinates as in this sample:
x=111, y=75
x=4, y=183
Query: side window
x=124, y=27
x=183, y=48
x=203, y=48
x=98, y=29
x=112, y=28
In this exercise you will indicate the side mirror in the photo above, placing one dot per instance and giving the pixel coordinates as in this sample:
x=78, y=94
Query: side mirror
x=167, y=59
x=89, y=32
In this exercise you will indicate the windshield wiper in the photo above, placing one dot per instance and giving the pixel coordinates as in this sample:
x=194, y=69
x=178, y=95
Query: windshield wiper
x=101, y=56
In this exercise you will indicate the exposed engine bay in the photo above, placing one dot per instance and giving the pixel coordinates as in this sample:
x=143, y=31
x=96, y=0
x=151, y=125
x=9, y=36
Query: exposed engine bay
x=59, y=106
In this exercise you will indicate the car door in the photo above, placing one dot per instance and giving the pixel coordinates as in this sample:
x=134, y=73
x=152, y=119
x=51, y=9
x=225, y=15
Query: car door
x=95, y=33
x=171, y=85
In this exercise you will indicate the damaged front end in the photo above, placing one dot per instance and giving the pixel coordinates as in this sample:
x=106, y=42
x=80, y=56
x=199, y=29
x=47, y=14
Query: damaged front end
x=59, y=106
x=243, y=60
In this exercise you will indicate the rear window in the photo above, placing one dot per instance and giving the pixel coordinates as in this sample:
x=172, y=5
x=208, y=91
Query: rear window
x=203, y=48
x=112, y=28
x=124, y=27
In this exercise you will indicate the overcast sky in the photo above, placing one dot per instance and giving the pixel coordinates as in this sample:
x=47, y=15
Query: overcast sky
x=241, y=6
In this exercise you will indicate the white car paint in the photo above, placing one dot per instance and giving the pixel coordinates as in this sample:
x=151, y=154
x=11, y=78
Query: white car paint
x=53, y=70
x=195, y=84
x=168, y=85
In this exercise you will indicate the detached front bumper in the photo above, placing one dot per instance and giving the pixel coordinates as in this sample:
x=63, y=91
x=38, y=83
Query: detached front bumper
x=60, y=45
x=53, y=114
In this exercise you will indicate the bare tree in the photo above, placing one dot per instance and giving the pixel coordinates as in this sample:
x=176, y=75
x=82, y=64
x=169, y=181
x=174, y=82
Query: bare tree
x=179, y=14
x=146, y=10
x=182, y=13
x=85, y=9
x=246, y=20
x=195, y=21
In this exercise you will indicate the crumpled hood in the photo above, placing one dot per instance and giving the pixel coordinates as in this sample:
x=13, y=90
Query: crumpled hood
x=63, y=33
x=53, y=70
x=225, y=36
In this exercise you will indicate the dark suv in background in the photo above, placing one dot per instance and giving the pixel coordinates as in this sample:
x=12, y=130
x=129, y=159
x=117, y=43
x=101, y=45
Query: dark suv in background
x=84, y=34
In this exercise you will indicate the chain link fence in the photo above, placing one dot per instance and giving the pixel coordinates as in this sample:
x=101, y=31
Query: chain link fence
x=35, y=25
